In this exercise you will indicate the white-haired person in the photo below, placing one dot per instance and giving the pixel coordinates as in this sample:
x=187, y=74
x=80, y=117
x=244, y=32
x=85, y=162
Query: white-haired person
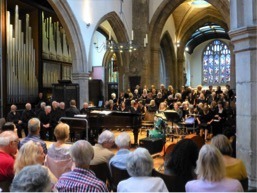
x=211, y=173
x=102, y=152
x=235, y=168
x=32, y=178
x=123, y=143
x=139, y=167
x=31, y=153
x=58, y=158
x=8, y=149
x=81, y=178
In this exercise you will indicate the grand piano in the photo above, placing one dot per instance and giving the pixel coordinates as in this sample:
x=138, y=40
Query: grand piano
x=91, y=125
x=99, y=120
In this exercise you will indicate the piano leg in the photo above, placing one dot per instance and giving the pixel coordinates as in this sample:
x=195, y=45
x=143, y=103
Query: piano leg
x=135, y=132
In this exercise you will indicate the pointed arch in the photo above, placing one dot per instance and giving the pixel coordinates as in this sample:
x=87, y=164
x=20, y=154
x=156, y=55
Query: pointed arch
x=169, y=58
x=159, y=19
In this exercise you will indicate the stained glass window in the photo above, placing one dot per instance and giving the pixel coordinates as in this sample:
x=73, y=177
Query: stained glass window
x=216, y=63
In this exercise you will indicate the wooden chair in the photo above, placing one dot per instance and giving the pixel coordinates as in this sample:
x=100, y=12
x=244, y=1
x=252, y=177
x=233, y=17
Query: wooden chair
x=148, y=121
x=117, y=176
x=244, y=183
x=5, y=185
x=102, y=172
x=170, y=181
x=197, y=139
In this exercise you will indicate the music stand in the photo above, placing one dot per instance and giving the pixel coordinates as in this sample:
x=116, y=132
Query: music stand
x=172, y=116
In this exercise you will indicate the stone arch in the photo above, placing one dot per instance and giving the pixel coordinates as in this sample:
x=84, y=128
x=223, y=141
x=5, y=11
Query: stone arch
x=159, y=19
x=122, y=36
x=169, y=57
x=74, y=36
x=80, y=68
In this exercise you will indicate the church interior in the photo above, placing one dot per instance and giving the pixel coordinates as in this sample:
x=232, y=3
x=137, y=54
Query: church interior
x=173, y=51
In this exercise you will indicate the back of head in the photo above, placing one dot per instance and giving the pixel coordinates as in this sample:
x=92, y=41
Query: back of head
x=223, y=144
x=6, y=137
x=140, y=163
x=182, y=160
x=106, y=136
x=82, y=153
x=34, y=125
x=123, y=140
x=72, y=103
x=27, y=155
x=210, y=164
x=34, y=178
x=62, y=131
x=8, y=126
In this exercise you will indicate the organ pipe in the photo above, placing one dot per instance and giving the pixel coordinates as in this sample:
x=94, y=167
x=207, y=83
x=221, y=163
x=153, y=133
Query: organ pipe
x=22, y=82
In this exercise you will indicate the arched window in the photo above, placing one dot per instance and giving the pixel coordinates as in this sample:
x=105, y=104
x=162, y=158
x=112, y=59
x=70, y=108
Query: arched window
x=216, y=63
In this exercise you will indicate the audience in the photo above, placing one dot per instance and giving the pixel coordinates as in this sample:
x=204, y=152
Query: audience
x=33, y=178
x=8, y=149
x=139, y=167
x=235, y=168
x=181, y=162
x=123, y=143
x=81, y=179
x=34, y=130
x=102, y=152
x=58, y=158
x=210, y=170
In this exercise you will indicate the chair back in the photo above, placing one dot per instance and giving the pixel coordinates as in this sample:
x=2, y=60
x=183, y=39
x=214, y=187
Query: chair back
x=117, y=176
x=244, y=183
x=102, y=172
x=149, y=116
x=197, y=139
x=58, y=167
x=5, y=185
x=169, y=181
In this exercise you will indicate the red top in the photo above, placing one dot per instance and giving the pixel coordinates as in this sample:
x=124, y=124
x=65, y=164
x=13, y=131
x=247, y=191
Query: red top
x=6, y=166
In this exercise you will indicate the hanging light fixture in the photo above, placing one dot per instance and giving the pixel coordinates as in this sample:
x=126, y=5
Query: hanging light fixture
x=130, y=46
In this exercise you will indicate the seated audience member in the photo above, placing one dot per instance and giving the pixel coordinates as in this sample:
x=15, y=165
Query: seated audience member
x=102, y=152
x=123, y=143
x=27, y=114
x=210, y=169
x=34, y=178
x=58, y=159
x=9, y=126
x=70, y=112
x=34, y=130
x=139, y=167
x=181, y=162
x=14, y=116
x=81, y=179
x=235, y=168
x=31, y=153
x=8, y=149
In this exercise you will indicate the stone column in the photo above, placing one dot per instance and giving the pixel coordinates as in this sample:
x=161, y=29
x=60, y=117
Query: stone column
x=244, y=36
x=82, y=80
x=140, y=23
x=232, y=68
